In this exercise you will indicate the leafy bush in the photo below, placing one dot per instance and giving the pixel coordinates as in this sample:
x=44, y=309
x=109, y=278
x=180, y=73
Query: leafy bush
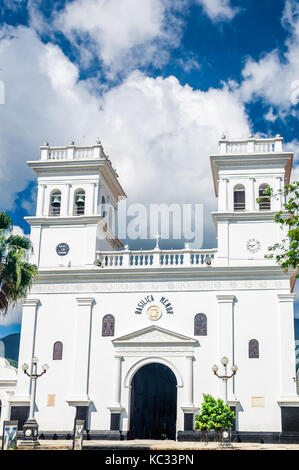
x=214, y=415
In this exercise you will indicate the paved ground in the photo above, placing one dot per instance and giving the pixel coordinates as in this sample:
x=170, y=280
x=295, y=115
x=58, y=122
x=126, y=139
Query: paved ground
x=160, y=445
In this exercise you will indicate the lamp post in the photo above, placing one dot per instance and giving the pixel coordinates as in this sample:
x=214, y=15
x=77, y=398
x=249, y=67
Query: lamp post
x=225, y=377
x=30, y=429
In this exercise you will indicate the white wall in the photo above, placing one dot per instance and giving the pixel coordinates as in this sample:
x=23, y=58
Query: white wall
x=255, y=317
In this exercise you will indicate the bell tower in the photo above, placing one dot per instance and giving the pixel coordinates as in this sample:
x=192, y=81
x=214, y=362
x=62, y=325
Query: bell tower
x=242, y=171
x=78, y=194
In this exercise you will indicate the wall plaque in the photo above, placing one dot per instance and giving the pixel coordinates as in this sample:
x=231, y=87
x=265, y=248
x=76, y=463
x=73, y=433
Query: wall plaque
x=51, y=400
x=62, y=249
x=154, y=312
x=257, y=402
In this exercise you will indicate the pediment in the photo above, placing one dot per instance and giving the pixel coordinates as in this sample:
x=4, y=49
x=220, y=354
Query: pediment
x=154, y=334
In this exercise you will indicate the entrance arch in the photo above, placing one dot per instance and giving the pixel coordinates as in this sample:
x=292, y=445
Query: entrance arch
x=153, y=403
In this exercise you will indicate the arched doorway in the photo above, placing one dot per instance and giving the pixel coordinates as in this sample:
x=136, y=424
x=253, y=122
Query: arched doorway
x=153, y=403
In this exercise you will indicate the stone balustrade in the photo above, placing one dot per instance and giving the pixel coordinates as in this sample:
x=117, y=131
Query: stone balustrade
x=251, y=145
x=143, y=259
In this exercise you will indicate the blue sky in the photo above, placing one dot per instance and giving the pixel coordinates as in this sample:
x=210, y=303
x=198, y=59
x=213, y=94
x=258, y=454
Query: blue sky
x=157, y=80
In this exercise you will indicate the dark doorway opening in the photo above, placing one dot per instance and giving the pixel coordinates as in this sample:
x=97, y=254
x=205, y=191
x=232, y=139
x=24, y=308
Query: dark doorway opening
x=153, y=403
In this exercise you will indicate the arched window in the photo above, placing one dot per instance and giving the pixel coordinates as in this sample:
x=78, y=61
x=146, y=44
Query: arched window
x=55, y=202
x=103, y=207
x=265, y=204
x=108, y=325
x=239, y=198
x=79, y=202
x=57, y=351
x=253, y=349
x=200, y=325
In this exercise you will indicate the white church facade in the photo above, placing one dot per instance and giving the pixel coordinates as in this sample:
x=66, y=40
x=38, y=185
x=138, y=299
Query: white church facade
x=131, y=336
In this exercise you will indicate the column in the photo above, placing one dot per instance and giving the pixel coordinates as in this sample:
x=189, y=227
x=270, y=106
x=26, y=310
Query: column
x=79, y=392
x=287, y=345
x=69, y=206
x=40, y=200
x=276, y=204
x=226, y=336
x=117, y=389
x=188, y=407
x=27, y=344
x=223, y=195
x=94, y=198
x=116, y=408
x=251, y=203
x=189, y=382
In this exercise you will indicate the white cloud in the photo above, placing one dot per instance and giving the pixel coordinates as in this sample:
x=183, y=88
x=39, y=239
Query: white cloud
x=12, y=317
x=18, y=231
x=158, y=133
x=273, y=78
x=218, y=10
x=121, y=33
x=270, y=116
x=11, y=5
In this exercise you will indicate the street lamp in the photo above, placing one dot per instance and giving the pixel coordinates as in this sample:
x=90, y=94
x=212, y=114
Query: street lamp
x=225, y=377
x=30, y=429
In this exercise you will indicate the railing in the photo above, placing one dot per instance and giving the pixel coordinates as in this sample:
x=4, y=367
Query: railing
x=251, y=145
x=155, y=258
x=83, y=153
x=57, y=154
x=236, y=147
x=264, y=147
x=72, y=152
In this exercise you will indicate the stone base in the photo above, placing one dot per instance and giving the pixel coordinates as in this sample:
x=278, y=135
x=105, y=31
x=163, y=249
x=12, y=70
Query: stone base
x=243, y=436
x=31, y=444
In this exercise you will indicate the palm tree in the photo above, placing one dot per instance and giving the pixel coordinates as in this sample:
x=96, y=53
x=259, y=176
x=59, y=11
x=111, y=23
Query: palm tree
x=16, y=274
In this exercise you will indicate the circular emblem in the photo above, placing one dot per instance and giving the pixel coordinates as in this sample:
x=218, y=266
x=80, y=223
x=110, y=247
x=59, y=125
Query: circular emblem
x=253, y=245
x=225, y=435
x=62, y=249
x=154, y=312
x=28, y=432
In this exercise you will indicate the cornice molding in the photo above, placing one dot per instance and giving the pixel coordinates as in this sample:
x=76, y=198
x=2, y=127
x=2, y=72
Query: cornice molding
x=204, y=273
x=286, y=297
x=30, y=302
x=259, y=216
x=226, y=299
x=85, y=301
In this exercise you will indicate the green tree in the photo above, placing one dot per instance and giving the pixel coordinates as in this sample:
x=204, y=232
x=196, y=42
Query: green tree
x=214, y=415
x=16, y=274
x=286, y=253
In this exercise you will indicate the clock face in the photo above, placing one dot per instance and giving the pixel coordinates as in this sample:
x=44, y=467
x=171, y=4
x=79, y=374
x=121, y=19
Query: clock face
x=253, y=245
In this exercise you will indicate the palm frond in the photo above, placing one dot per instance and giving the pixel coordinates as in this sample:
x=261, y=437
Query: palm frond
x=5, y=221
x=17, y=241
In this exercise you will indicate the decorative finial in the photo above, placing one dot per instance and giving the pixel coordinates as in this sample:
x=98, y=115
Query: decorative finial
x=46, y=144
x=71, y=142
x=98, y=142
x=223, y=137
